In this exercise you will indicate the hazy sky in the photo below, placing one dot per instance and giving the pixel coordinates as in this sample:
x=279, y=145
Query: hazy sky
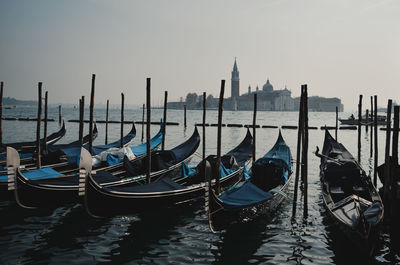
x=339, y=48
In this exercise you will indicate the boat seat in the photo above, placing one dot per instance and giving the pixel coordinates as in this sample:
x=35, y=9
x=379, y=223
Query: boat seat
x=336, y=190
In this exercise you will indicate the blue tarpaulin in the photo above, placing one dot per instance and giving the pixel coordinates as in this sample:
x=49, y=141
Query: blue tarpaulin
x=42, y=173
x=186, y=170
x=278, y=155
x=244, y=196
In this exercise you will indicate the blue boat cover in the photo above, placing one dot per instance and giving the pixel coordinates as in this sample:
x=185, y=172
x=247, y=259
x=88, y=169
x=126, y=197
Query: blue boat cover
x=3, y=156
x=246, y=195
x=164, y=184
x=42, y=173
x=246, y=173
x=187, y=171
x=279, y=155
x=226, y=171
x=138, y=150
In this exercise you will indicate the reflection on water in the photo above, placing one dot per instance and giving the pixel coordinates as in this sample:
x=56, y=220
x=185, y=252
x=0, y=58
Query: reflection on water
x=181, y=235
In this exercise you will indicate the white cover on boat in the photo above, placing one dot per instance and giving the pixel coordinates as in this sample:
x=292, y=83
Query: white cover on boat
x=117, y=152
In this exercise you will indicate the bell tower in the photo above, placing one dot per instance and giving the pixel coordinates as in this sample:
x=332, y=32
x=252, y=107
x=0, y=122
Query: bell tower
x=235, y=82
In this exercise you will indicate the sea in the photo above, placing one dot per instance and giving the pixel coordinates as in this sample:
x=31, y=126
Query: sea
x=181, y=235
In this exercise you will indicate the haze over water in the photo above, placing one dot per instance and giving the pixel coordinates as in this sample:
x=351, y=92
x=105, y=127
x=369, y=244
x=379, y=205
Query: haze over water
x=181, y=235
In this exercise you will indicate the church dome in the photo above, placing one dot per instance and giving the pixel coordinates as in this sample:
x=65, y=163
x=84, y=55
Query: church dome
x=268, y=87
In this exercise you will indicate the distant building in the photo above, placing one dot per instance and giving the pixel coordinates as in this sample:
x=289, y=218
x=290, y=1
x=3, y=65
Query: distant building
x=267, y=99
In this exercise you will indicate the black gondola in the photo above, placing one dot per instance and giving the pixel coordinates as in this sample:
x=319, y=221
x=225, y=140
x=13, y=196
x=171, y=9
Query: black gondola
x=29, y=147
x=348, y=193
x=175, y=185
x=261, y=192
x=48, y=187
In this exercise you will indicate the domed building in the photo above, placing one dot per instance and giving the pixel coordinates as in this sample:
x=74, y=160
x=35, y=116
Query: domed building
x=267, y=87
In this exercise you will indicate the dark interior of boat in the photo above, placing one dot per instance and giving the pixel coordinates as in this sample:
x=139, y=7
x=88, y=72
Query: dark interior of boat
x=344, y=180
x=274, y=173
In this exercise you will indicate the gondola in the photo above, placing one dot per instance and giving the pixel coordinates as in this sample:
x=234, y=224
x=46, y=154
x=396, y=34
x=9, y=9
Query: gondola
x=27, y=148
x=48, y=187
x=50, y=155
x=175, y=185
x=263, y=190
x=348, y=193
x=29, y=163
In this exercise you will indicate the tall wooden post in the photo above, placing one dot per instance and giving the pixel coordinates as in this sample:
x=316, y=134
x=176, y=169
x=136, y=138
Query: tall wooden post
x=394, y=164
x=38, y=161
x=143, y=122
x=148, y=129
x=298, y=159
x=91, y=115
x=59, y=115
x=106, y=139
x=254, y=127
x=366, y=119
x=371, y=150
x=375, y=140
x=304, y=160
x=184, y=115
x=388, y=181
x=164, y=119
x=220, y=109
x=45, y=119
x=395, y=143
x=1, y=112
x=122, y=119
x=336, y=127
x=81, y=118
x=359, y=128
x=204, y=125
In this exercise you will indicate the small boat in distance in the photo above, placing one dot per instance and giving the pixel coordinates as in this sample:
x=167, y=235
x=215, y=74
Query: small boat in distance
x=364, y=121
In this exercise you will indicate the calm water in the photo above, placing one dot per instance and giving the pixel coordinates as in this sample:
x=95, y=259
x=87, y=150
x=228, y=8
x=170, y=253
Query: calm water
x=181, y=235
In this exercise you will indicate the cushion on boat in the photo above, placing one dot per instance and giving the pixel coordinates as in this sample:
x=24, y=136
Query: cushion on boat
x=42, y=173
x=103, y=177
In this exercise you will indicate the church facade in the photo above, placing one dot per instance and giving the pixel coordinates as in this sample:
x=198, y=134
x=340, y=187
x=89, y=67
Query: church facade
x=267, y=97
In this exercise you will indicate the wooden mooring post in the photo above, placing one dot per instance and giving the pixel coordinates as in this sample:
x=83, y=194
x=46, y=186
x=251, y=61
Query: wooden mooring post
x=336, y=126
x=375, y=140
x=148, y=148
x=81, y=117
x=388, y=181
x=254, y=127
x=359, y=128
x=59, y=115
x=122, y=119
x=298, y=151
x=143, y=122
x=91, y=108
x=45, y=120
x=220, y=109
x=204, y=125
x=164, y=119
x=394, y=166
x=38, y=161
x=304, y=159
x=371, y=121
x=184, y=116
x=1, y=112
x=106, y=137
